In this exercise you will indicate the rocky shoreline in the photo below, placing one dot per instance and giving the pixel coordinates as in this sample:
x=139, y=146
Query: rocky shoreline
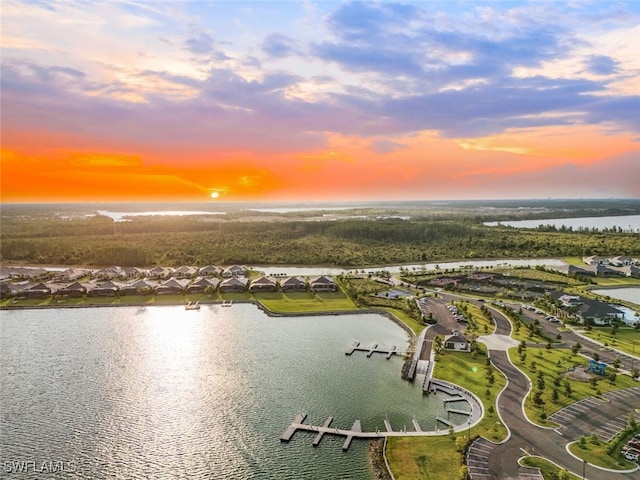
x=376, y=460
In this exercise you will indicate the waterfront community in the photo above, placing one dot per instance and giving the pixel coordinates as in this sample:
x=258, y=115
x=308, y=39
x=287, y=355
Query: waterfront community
x=385, y=342
x=533, y=324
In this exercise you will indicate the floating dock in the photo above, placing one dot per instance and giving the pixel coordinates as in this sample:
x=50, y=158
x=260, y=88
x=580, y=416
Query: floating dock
x=444, y=421
x=355, y=347
x=356, y=427
x=457, y=398
x=387, y=425
x=459, y=412
x=288, y=433
x=326, y=424
x=416, y=425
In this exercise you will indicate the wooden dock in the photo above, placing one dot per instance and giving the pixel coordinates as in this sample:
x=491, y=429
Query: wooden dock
x=326, y=423
x=416, y=425
x=356, y=427
x=387, y=425
x=444, y=421
x=355, y=347
x=459, y=412
x=356, y=430
x=288, y=433
x=457, y=398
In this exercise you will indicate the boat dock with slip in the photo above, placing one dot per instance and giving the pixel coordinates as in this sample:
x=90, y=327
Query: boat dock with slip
x=192, y=306
x=355, y=347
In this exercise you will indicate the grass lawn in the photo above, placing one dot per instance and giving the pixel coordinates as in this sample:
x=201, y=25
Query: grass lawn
x=433, y=458
x=554, y=363
x=436, y=457
x=416, y=325
x=547, y=468
x=295, y=302
x=594, y=452
x=541, y=275
x=626, y=339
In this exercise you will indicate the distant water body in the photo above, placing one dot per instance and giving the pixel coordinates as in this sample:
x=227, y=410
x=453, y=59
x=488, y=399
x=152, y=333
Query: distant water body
x=630, y=294
x=161, y=392
x=122, y=216
x=628, y=223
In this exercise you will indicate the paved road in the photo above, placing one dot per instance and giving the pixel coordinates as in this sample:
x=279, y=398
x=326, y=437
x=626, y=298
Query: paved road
x=606, y=418
x=499, y=461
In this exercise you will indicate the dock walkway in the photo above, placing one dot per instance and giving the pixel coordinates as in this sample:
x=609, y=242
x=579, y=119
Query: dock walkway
x=356, y=430
x=355, y=347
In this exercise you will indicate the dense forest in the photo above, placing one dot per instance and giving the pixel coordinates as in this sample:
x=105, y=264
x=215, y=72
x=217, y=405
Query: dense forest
x=174, y=241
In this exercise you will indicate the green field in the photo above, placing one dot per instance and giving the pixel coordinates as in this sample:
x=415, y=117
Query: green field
x=626, y=339
x=554, y=364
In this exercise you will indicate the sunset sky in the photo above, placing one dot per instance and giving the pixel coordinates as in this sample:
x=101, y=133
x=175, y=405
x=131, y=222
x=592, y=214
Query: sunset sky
x=303, y=100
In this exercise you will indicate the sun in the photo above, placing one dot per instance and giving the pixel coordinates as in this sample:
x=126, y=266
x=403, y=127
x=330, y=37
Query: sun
x=215, y=194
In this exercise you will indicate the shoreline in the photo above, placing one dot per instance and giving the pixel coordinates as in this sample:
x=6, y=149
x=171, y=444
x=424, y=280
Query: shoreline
x=271, y=313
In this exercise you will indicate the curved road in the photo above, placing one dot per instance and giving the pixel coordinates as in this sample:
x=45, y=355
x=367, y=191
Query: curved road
x=500, y=461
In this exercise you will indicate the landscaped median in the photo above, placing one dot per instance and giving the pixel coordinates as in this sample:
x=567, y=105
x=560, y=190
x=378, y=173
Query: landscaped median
x=556, y=383
x=606, y=455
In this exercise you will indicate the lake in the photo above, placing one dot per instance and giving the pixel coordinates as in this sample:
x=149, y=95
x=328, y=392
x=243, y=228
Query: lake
x=122, y=216
x=630, y=294
x=161, y=392
x=628, y=223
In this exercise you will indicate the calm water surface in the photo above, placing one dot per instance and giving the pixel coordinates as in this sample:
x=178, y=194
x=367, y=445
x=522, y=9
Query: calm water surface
x=629, y=223
x=160, y=392
x=630, y=294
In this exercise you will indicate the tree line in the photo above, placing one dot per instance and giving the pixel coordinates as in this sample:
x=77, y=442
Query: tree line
x=348, y=243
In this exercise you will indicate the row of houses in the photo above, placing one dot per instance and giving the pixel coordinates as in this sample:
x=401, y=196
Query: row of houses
x=171, y=286
x=123, y=273
x=601, y=270
x=617, y=261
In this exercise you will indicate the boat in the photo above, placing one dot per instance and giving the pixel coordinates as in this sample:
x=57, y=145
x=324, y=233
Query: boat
x=192, y=306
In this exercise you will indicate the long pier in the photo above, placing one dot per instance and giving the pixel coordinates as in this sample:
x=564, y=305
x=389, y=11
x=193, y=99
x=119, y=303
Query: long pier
x=355, y=347
x=356, y=430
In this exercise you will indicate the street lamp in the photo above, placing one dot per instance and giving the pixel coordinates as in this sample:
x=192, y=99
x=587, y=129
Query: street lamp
x=584, y=465
x=469, y=429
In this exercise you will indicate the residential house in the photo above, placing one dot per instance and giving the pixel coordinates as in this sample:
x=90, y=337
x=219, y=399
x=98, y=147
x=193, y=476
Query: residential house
x=75, y=289
x=108, y=273
x=596, y=260
x=185, y=272
x=630, y=271
x=323, y=284
x=202, y=285
x=293, y=284
x=456, y=341
x=234, y=271
x=263, y=284
x=71, y=275
x=233, y=284
x=173, y=286
x=159, y=273
x=106, y=289
x=39, y=290
x=620, y=261
x=132, y=272
x=210, y=271
x=139, y=287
